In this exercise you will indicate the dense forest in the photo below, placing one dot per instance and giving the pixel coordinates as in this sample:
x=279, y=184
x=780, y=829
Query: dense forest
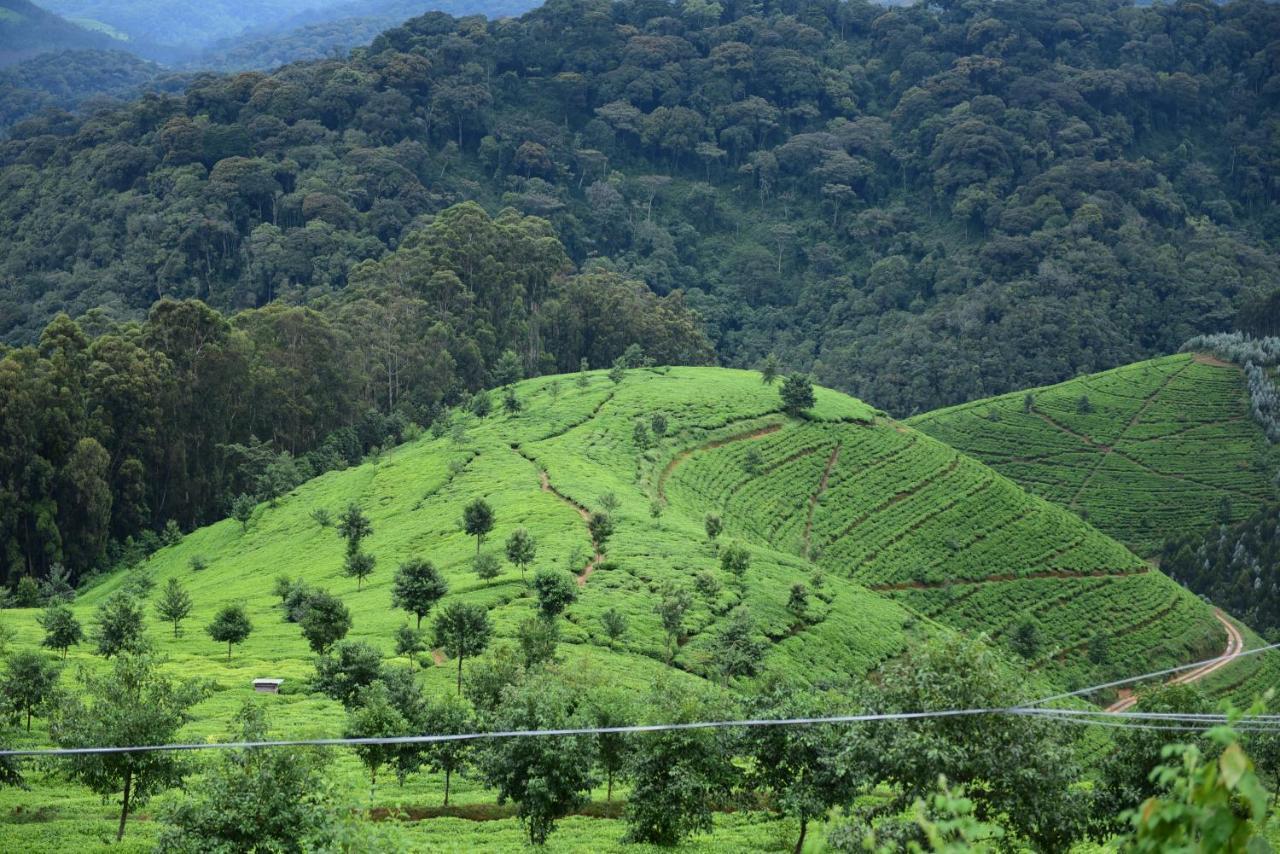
x=922, y=205
x=110, y=433
x=76, y=79
x=1237, y=567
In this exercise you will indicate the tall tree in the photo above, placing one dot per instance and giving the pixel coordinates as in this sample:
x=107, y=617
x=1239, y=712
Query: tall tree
x=477, y=521
x=174, y=604
x=29, y=683
x=130, y=704
x=230, y=625
x=417, y=587
x=118, y=626
x=521, y=549
x=462, y=629
x=61, y=628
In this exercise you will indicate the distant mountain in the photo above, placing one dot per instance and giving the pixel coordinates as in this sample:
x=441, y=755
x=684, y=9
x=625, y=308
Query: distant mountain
x=335, y=30
x=237, y=34
x=74, y=79
x=26, y=30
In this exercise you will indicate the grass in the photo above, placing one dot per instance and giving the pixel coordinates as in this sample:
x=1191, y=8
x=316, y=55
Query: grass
x=910, y=536
x=1166, y=446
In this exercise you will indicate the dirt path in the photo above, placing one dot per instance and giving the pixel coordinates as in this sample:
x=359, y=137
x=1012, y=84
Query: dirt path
x=817, y=494
x=583, y=512
x=680, y=457
x=1147, y=403
x=1235, y=646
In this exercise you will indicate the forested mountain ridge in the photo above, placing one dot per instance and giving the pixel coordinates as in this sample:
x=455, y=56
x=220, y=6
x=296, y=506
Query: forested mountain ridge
x=924, y=205
x=27, y=30
x=110, y=433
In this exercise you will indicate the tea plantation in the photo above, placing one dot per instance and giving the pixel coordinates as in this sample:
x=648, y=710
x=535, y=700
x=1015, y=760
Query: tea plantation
x=1143, y=451
x=894, y=535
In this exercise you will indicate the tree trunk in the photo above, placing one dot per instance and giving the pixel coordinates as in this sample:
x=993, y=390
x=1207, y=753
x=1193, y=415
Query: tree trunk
x=448, y=772
x=228, y=650
x=459, y=673
x=608, y=792
x=28, y=719
x=419, y=621
x=804, y=825
x=124, y=803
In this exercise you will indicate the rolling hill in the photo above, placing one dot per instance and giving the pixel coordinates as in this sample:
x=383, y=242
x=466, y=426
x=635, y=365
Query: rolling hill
x=1144, y=452
x=896, y=536
x=27, y=30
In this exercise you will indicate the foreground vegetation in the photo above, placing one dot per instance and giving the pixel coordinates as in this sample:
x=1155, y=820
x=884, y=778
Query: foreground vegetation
x=563, y=544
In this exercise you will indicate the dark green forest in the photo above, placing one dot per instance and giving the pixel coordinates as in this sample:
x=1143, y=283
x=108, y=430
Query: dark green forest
x=922, y=205
x=918, y=205
x=115, y=437
x=27, y=30
x=76, y=80
x=1237, y=567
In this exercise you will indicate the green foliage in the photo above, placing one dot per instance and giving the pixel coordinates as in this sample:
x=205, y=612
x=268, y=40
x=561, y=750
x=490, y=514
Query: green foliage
x=521, y=549
x=130, y=704
x=1204, y=804
x=735, y=559
x=462, y=630
x=1026, y=639
x=354, y=526
x=538, y=637
x=242, y=508
x=601, y=527
x=174, y=604
x=117, y=626
x=738, y=648
x=324, y=620
x=713, y=525
x=614, y=623
x=448, y=715
x=358, y=565
x=230, y=625
x=671, y=610
x=349, y=668
x=477, y=521
x=800, y=767
x=409, y=642
x=29, y=684
x=797, y=394
x=546, y=777
x=268, y=799
x=769, y=369
x=1033, y=797
x=679, y=776
x=375, y=717
x=417, y=587
x=556, y=590
x=322, y=517
x=61, y=628
x=486, y=567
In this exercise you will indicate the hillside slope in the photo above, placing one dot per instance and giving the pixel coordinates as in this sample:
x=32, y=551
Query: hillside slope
x=1144, y=452
x=890, y=516
x=27, y=30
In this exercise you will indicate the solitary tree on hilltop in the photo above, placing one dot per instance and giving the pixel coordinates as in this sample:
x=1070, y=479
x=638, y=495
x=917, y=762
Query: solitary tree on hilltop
x=477, y=521
x=797, y=394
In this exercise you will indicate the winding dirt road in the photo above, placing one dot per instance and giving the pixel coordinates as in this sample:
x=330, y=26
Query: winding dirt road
x=1235, y=646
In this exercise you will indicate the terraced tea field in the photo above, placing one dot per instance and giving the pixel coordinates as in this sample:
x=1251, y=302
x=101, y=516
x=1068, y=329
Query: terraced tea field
x=896, y=535
x=1142, y=451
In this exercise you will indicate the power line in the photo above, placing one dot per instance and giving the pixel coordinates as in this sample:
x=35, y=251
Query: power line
x=1080, y=692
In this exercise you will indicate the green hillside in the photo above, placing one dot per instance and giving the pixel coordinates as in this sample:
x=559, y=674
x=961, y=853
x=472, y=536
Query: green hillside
x=1159, y=448
x=907, y=534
